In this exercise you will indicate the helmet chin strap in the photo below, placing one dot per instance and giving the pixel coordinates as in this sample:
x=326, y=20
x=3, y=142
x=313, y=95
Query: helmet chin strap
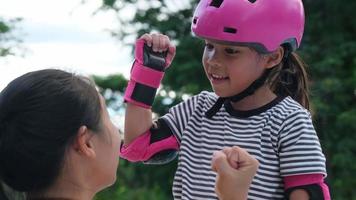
x=247, y=92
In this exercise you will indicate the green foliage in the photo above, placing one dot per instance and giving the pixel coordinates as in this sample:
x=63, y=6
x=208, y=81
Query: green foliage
x=137, y=181
x=329, y=48
x=9, y=41
x=161, y=107
x=115, y=82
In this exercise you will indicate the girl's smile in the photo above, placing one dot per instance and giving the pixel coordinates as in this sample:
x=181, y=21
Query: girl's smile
x=217, y=79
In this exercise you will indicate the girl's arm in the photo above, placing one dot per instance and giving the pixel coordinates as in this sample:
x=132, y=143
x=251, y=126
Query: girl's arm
x=137, y=121
x=153, y=54
x=143, y=140
x=299, y=195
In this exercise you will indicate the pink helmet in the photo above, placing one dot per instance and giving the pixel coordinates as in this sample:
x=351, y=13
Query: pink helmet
x=262, y=24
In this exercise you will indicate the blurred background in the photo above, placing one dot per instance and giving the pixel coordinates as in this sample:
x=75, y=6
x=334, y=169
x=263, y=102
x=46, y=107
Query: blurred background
x=95, y=38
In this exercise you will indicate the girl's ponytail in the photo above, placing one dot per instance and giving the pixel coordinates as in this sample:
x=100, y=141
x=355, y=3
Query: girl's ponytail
x=290, y=78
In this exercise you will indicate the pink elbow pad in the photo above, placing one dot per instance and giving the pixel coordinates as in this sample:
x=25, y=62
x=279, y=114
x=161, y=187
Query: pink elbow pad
x=141, y=149
x=306, y=180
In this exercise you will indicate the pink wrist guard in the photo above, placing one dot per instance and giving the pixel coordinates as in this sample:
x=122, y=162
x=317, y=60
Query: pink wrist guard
x=146, y=75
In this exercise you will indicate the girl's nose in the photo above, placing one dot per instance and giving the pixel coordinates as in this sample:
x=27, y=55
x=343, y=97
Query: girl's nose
x=212, y=58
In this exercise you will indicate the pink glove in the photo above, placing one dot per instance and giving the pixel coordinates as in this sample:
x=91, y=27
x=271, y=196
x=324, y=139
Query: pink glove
x=146, y=74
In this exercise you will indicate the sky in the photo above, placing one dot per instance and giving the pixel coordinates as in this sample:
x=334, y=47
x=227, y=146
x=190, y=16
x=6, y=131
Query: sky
x=64, y=35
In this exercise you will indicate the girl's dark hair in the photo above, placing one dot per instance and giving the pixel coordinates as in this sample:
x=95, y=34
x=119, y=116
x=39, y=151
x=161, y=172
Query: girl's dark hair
x=290, y=78
x=40, y=114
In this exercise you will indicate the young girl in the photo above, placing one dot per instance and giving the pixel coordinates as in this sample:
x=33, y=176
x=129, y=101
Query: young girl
x=260, y=103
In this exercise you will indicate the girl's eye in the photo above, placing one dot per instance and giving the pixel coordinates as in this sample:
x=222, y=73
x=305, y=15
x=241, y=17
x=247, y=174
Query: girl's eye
x=231, y=51
x=209, y=46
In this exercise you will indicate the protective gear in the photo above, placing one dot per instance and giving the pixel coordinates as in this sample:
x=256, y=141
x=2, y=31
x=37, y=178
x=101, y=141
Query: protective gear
x=146, y=75
x=313, y=184
x=315, y=191
x=157, y=146
x=262, y=24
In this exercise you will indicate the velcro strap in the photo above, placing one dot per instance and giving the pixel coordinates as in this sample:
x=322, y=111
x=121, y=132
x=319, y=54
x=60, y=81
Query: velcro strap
x=144, y=94
x=146, y=76
x=160, y=130
x=139, y=94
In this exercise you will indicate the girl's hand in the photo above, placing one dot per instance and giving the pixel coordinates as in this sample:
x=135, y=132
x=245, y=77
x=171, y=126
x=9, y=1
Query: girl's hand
x=235, y=170
x=160, y=43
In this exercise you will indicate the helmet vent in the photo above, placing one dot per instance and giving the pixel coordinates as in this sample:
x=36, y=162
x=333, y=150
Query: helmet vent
x=195, y=20
x=216, y=3
x=252, y=1
x=230, y=30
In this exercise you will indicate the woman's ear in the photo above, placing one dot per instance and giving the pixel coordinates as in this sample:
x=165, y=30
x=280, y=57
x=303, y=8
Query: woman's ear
x=83, y=143
x=274, y=58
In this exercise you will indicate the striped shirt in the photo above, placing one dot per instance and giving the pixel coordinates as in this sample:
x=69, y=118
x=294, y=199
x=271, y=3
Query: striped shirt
x=280, y=135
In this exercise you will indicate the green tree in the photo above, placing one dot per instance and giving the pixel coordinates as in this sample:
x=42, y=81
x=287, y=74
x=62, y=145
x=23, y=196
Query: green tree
x=115, y=82
x=329, y=46
x=9, y=40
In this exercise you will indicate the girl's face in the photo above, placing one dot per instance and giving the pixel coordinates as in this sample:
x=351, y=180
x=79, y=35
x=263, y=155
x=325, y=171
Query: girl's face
x=108, y=143
x=231, y=69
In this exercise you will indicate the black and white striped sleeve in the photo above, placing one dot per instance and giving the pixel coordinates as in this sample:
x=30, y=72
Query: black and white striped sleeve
x=179, y=115
x=299, y=147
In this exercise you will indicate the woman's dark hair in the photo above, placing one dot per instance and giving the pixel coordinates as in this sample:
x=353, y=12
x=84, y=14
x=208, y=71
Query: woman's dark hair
x=290, y=78
x=40, y=114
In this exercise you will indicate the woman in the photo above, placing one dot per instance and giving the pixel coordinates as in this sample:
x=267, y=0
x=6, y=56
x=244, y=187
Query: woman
x=56, y=138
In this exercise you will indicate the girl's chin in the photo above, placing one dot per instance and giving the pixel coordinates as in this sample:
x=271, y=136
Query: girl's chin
x=220, y=92
x=223, y=91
